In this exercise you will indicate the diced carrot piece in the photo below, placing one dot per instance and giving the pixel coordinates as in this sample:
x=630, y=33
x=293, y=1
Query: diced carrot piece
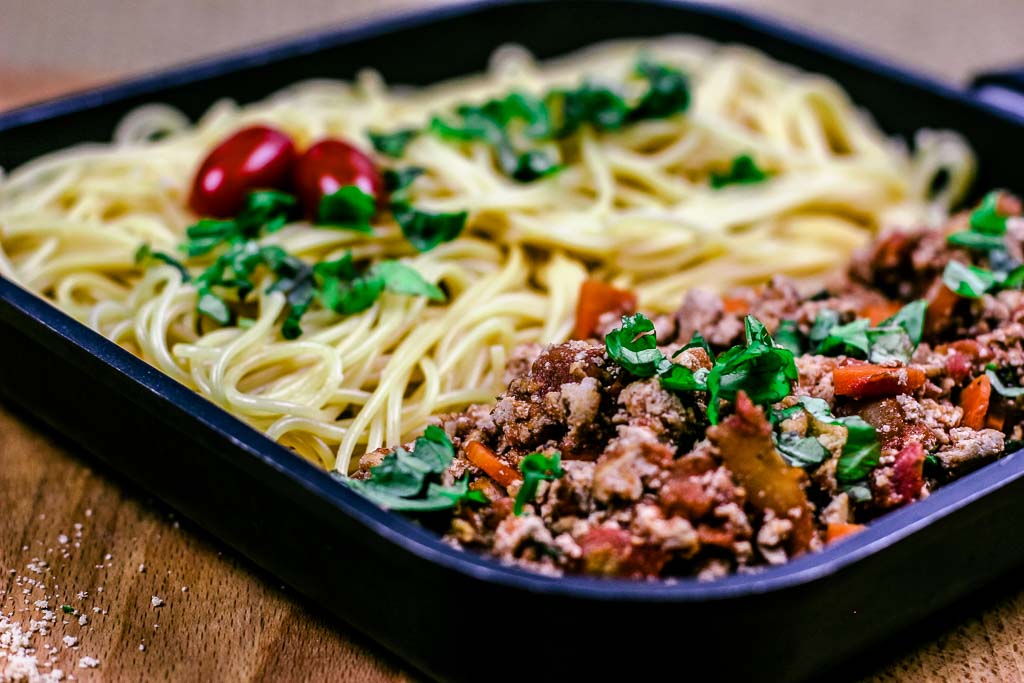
x=974, y=400
x=996, y=419
x=1008, y=205
x=941, y=302
x=596, y=299
x=865, y=380
x=484, y=458
x=837, y=530
x=735, y=304
x=878, y=311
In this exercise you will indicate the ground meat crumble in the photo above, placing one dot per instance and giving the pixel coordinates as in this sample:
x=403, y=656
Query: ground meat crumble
x=651, y=489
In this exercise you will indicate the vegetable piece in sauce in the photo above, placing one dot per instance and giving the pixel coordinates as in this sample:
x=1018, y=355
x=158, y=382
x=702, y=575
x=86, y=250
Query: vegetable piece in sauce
x=330, y=165
x=258, y=157
x=744, y=440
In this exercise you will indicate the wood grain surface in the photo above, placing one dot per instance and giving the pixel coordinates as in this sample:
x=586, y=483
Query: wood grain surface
x=222, y=619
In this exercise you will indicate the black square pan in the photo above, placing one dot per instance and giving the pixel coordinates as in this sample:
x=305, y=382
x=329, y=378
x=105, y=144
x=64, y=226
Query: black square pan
x=457, y=615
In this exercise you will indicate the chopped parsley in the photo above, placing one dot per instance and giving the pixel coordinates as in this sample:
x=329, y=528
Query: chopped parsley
x=410, y=481
x=67, y=609
x=743, y=171
x=536, y=467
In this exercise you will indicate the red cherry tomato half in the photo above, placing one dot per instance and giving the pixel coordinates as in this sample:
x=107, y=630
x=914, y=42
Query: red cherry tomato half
x=258, y=157
x=330, y=165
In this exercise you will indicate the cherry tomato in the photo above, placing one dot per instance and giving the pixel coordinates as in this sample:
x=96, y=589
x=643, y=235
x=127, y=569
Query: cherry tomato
x=330, y=165
x=258, y=157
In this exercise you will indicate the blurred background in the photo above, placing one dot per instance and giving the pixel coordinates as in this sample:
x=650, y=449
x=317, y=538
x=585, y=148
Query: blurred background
x=50, y=46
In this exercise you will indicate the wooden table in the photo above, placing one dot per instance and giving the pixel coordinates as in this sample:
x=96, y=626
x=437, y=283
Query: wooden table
x=222, y=619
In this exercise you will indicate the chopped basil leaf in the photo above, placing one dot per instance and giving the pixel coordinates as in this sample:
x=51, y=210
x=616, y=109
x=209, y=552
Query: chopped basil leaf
x=976, y=240
x=634, y=348
x=393, y=144
x=668, y=92
x=987, y=227
x=890, y=344
x=743, y=171
x=910, y=318
x=402, y=279
x=850, y=339
x=764, y=371
x=986, y=219
x=860, y=452
x=823, y=324
x=1014, y=279
x=968, y=281
x=859, y=492
x=679, y=378
x=399, y=179
x=893, y=339
x=800, y=451
x=1001, y=388
x=426, y=230
x=145, y=255
x=212, y=305
x=788, y=337
x=67, y=609
x=590, y=104
x=536, y=467
x=349, y=208
x=408, y=481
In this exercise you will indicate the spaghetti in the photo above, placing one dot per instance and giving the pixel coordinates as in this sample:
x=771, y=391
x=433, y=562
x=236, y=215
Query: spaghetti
x=633, y=207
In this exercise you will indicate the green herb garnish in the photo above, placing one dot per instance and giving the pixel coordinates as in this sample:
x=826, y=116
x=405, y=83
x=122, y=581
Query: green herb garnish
x=536, y=467
x=67, y=609
x=761, y=368
x=862, y=450
x=144, y=256
x=393, y=144
x=410, y=481
x=349, y=208
x=893, y=339
x=743, y=171
x=1001, y=388
x=522, y=129
x=800, y=451
x=426, y=230
x=968, y=281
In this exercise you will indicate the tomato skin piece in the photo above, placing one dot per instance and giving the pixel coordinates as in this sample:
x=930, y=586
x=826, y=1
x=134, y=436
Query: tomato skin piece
x=253, y=158
x=863, y=380
x=597, y=298
x=330, y=165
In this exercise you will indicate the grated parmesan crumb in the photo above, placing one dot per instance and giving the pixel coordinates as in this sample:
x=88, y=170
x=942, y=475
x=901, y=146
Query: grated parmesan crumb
x=83, y=620
x=142, y=568
x=88, y=663
x=70, y=641
x=156, y=602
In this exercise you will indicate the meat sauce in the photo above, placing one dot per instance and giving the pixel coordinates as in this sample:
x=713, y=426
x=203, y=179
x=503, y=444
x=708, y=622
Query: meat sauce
x=649, y=488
